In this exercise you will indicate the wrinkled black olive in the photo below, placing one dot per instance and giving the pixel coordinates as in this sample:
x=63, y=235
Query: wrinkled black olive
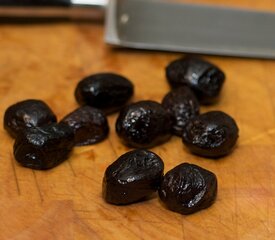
x=132, y=177
x=25, y=114
x=182, y=105
x=204, y=78
x=212, y=134
x=89, y=124
x=188, y=188
x=44, y=147
x=106, y=91
x=144, y=124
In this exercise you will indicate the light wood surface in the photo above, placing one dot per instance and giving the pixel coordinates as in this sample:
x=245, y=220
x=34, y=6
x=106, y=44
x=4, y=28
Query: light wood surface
x=45, y=61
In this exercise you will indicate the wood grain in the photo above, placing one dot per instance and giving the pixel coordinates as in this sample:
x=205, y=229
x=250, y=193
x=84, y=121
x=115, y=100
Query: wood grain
x=45, y=61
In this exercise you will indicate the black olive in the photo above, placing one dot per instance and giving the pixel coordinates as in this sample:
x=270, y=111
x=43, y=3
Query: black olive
x=144, y=124
x=204, y=78
x=106, y=91
x=212, y=134
x=44, y=147
x=25, y=114
x=182, y=105
x=132, y=177
x=188, y=188
x=89, y=124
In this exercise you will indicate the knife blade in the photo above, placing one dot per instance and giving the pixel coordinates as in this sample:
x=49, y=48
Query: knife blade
x=167, y=26
x=160, y=25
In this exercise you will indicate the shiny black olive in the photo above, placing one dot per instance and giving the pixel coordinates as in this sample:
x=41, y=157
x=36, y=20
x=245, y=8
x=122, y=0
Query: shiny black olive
x=106, y=91
x=212, y=134
x=188, y=188
x=26, y=114
x=182, y=105
x=204, y=78
x=89, y=124
x=132, y=177
x=144, y=124
x=44, y=147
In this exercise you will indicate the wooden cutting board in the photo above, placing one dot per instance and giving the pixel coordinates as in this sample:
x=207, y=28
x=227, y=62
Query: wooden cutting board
x=46, y=61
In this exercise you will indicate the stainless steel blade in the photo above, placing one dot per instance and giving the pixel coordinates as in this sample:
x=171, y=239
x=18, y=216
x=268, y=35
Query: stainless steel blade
x=160, y=25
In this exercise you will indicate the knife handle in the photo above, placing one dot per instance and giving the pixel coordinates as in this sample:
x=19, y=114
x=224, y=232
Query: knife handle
x=33, y=3
x=76, y=9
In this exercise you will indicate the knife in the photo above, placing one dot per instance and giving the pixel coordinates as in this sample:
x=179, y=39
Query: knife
x=165, y=25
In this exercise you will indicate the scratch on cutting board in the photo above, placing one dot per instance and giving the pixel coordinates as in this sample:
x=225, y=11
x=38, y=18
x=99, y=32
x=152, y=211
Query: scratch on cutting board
x=260, y=136
x=183, y=230
x=236, y=204
x=37, y=185
x=71, y=167
x=89, y=178
x=15, y=175
x=112, y=147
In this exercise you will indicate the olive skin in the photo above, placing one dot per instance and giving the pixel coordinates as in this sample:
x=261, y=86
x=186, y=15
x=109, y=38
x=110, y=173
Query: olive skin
x=26, y=114
x=213, y=134
x=188, y=188
x=182, y=105
x=204, y=78
x=132, y=177
x=89, y=124
x=106, y=91
x=43, y=147
x=144, y=124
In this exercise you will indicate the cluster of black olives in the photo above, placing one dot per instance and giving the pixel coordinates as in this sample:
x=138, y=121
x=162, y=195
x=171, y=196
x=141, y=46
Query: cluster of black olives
x=137, y=174
x=42, y=143
x=146, y=124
